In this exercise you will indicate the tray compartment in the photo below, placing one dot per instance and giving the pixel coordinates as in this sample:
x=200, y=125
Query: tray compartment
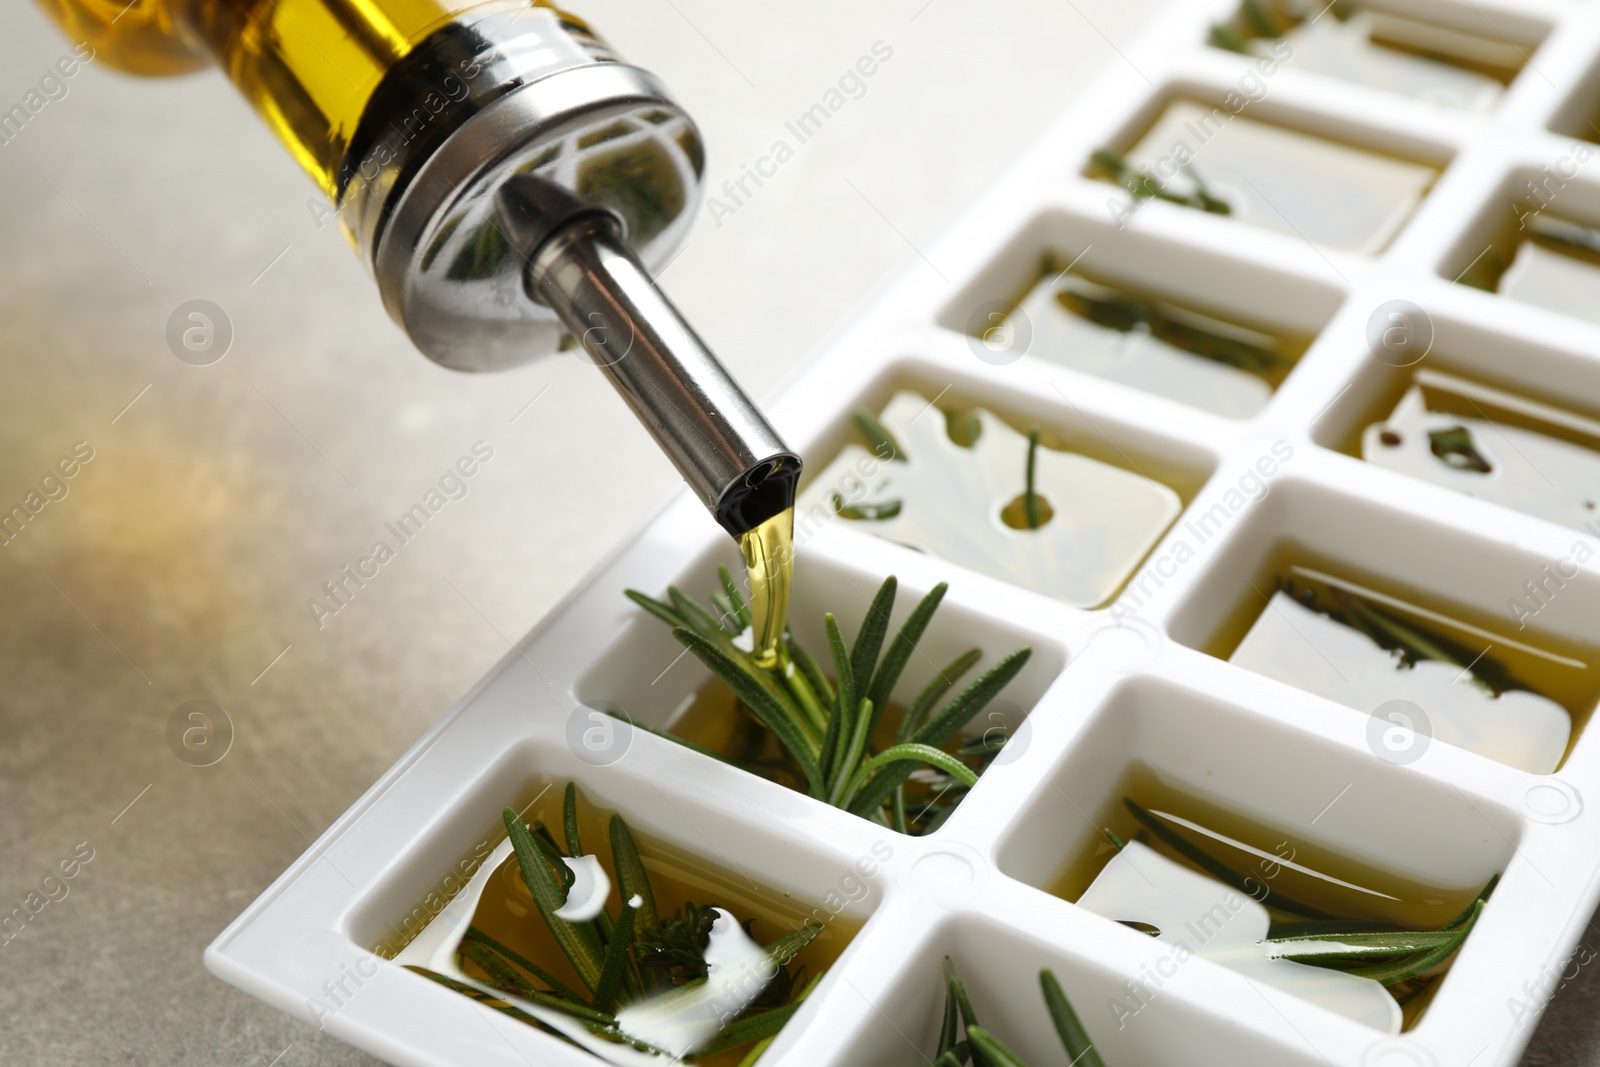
x=1437, y=53
x=1409, y=569
x=1538, y=240
x=645, y=676
x=1529, y=411
x=999, y=965
x=1306, y=799
x=692, y=846
x=1106, y=497
x=1012, y=304
x=1242, y=158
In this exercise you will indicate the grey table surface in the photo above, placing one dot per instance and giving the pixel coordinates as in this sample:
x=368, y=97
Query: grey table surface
x=219, y=498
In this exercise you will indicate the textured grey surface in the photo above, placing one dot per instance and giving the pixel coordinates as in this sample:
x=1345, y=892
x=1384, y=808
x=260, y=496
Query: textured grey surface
x=179, y=564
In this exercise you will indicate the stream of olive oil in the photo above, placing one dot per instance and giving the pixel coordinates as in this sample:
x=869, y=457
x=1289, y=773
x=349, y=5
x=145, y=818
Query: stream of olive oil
x=506, y=911
x=1394, y=898
x=769, y=560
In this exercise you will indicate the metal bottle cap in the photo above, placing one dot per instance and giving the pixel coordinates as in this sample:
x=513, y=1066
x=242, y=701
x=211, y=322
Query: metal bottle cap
x=513, y=185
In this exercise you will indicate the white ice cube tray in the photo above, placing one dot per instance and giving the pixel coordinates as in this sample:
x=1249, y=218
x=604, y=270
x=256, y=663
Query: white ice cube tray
x=1106, y=688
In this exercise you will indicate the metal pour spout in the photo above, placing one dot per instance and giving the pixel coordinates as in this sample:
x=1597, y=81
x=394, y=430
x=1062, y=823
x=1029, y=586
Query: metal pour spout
x=579, y=265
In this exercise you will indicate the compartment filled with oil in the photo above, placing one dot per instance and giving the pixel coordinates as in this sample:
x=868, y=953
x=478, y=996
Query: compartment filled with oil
x=956, y=483
x=1160, y=346
x=1495, y=444
x=712, y=718
x=652, y=955
x=839, y=736
x=1214, y=159
x=1434, y=671
x=1367, y=44
x=1268, y=903
x=1542, y=259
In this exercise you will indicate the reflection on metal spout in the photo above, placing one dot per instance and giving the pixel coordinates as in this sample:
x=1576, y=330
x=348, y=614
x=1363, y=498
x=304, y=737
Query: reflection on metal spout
x=724, y=447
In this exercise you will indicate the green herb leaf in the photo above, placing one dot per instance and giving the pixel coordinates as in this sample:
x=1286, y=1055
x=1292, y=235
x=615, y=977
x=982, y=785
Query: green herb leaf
x=1074, y=1038
x=741, y=610
x=860, y=724
x=841, y=722
x=950, y=1028
x=1309, y=948
x=958, y=992
x=990, y=1051
x=790, y=945
x=813, y=674
x=632, y=879
x=904, y=644
x=1258, y=891
x=913, y=754
x=756, y=1026
x=510, y=955
x=655, y=607
x=578, y=941
x=942, y=683
x=1259, y=19
x=879, y=440
x=942, y=727
x=699, y=618
x=1406, y=969
x=501, y=975
x=783, y=722
x=617, y=959
x=569, y=819
x=869, y=640
x=1224, y=37
x=491, y=1001
x=956, y=714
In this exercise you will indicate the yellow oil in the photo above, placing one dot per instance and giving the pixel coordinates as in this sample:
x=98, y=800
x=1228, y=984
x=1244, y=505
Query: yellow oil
x=1414, y=905
x=506, y=911
x=769, y=561
x=1573, y=685
x=309, y=67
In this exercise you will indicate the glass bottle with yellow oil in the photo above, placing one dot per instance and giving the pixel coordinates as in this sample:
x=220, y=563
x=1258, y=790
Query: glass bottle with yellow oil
x=510, y=181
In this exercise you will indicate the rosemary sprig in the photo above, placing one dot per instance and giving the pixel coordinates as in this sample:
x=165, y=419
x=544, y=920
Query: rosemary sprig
x=963, y=1040
x=1411, y=641
x=623, y=957
x=1256, y=20
x=882, y=444
x=1080, y=1050
x=826, y=730
x=1383, y=952
x=1106, y=164
x=1124, y=314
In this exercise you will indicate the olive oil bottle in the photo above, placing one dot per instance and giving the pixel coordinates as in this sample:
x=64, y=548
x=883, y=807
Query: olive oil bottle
x=511, y=182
